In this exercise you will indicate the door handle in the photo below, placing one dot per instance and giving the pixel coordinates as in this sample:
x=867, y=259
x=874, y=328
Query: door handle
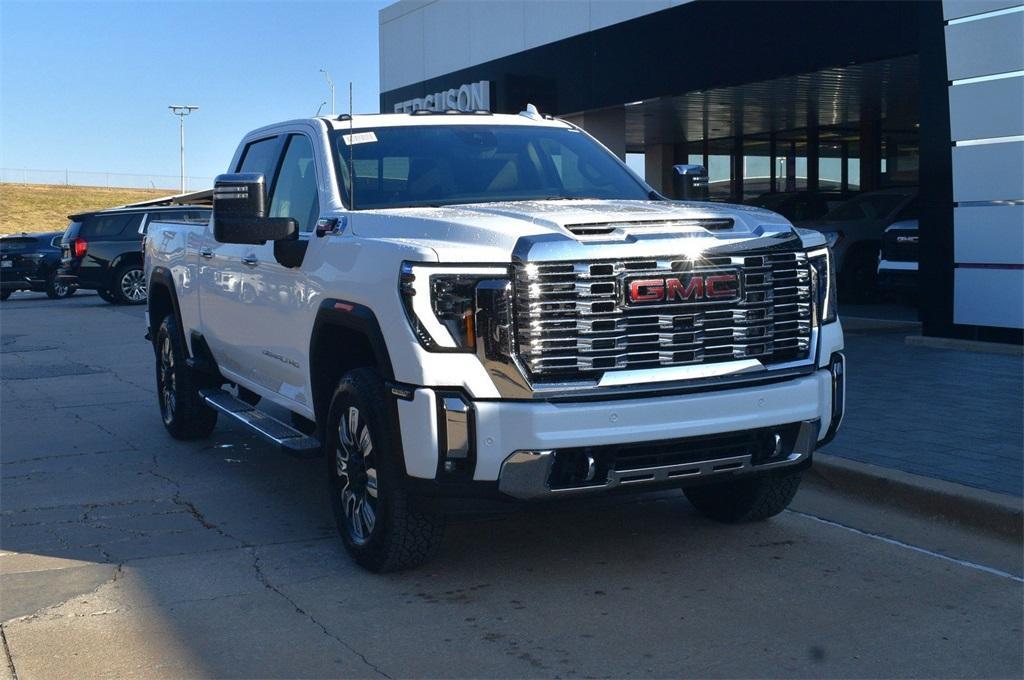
x=206, y=252
x=250, y=260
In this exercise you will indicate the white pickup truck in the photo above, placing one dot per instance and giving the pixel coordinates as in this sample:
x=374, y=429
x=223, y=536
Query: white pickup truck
x=457, y=307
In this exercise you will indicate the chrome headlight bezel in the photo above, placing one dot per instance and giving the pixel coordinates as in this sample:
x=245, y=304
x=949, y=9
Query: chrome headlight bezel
x=440, y=303
x=823, y=285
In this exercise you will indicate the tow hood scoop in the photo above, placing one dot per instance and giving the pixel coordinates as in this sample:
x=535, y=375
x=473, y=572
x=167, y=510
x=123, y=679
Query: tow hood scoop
x=604, y=228
x=491, y=231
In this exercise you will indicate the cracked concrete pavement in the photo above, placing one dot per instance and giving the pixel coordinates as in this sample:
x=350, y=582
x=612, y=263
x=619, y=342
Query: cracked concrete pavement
x=125, y=553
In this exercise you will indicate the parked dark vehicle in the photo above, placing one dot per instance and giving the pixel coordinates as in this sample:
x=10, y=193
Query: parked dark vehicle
x=897, y=265
x=102, y=250
x=29, y=262
x=799, y=206
x=854, y=232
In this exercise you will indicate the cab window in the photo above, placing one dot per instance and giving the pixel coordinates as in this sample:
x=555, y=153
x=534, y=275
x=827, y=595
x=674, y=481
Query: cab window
x=295, y=191
x=260, y=156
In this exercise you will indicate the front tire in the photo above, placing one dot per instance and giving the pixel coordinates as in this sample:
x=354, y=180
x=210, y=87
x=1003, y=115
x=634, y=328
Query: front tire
x=746, y=499
x=129, y=285
x=56, y=289
x=375, y=518
x=182, y=409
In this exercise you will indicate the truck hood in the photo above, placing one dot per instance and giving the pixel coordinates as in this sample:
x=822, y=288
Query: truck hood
x=492, y=231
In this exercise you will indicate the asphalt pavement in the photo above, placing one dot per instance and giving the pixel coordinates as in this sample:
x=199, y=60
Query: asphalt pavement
x=124, y=553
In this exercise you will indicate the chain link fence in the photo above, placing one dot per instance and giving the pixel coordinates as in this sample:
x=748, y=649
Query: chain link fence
x=94, y=178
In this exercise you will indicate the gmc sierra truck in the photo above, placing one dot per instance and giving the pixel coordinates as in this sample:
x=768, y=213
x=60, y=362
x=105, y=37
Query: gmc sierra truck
x=465, y=306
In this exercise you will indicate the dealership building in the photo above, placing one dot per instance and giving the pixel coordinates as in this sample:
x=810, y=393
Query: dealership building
x=770, y=97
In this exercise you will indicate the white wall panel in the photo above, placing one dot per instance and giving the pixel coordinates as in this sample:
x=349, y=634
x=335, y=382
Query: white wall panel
x=955, y=9
x=989, y=234
x=496, y=30
x=986, y=46
x=607, y=12
x=989, y=297
x=993, y=108
x=547, y=22
x=988, y=172
x=446, y=36
x=401, y=8
x=401, y=51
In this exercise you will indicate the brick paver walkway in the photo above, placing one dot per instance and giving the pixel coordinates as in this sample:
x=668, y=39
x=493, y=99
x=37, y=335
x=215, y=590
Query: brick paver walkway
x=948, y=414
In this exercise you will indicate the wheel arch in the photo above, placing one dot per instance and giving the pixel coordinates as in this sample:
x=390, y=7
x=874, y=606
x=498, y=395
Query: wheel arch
x=162, y=299
x=348, y=325
x=125, y=258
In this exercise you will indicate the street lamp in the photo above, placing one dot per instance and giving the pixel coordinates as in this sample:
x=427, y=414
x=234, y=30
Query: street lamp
x=330, y=84
x=182, y=110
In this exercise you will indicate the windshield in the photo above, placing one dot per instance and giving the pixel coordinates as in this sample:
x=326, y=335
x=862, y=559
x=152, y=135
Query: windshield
x=434, y=165
x=866, y=207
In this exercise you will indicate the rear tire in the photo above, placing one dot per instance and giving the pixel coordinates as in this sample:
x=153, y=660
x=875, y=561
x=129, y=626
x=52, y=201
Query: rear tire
x=55, y=289
x=379, y=526
x=746, y=499
x=4, y=294
x=129, y=285
x=182, y=409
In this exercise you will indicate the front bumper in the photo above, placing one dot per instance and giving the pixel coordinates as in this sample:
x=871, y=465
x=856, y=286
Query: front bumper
x=451, y=439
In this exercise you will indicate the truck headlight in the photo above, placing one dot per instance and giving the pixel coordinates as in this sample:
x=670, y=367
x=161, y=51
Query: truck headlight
x=823, y=282
x=440, y=303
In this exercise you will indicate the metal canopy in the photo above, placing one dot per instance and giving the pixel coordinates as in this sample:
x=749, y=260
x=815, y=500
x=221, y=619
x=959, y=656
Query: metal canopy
x=842, y=97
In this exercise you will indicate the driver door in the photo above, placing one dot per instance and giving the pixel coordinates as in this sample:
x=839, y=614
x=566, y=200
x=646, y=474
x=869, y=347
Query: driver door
x=282, y=326
x=232, y=291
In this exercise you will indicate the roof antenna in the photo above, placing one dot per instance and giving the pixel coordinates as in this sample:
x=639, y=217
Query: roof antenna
x=351, y=155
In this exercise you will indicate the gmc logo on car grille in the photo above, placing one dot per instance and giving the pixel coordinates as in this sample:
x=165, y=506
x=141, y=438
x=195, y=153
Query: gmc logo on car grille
x=717, y=286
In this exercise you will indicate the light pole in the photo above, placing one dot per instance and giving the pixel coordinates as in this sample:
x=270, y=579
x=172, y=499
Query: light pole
x=330, y=84
x=182, y=110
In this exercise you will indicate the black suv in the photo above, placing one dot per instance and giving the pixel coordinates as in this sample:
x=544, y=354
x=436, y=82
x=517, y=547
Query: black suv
x=29, y=262
x=103, y=250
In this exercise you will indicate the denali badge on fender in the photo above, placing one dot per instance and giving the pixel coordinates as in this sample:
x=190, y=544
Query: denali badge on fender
x=710, y=286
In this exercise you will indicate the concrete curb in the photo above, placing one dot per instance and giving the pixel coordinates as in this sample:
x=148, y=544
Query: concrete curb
x=965, y=345
x=976, y=508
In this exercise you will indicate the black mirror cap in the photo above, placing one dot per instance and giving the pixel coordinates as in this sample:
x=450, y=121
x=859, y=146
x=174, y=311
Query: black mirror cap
x=241, y=194
x=239, y=211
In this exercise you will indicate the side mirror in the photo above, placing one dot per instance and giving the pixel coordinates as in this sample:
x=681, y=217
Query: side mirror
x=690, y=182
x=239, y=212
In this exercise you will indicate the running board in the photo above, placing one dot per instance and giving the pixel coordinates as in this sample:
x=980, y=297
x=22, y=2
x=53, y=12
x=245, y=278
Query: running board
x=285, y=436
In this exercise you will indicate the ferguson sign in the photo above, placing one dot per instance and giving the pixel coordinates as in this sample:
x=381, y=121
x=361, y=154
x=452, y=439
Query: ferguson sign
x=470, y=97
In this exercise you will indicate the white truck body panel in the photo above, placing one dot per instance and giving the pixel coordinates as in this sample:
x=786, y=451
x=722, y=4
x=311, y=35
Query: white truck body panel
x=257, y=316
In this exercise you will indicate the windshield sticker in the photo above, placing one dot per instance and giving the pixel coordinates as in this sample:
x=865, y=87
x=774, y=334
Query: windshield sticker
x=359, y=138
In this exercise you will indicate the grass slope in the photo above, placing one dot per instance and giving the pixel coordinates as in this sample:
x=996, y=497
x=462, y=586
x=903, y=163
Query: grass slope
x=45, y=207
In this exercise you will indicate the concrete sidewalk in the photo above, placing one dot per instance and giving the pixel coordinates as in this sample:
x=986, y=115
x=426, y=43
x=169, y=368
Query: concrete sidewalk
x=947, y=414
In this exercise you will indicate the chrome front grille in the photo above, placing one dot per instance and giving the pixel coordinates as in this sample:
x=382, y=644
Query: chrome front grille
x=572, y=320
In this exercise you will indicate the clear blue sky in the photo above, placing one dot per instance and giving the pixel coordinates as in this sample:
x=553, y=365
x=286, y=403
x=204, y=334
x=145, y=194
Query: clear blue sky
x=85, y=85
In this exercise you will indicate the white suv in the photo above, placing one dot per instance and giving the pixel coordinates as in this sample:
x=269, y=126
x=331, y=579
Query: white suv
x=463, y=306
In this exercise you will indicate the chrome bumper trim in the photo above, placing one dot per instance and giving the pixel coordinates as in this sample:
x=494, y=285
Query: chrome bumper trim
x=525, y=474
